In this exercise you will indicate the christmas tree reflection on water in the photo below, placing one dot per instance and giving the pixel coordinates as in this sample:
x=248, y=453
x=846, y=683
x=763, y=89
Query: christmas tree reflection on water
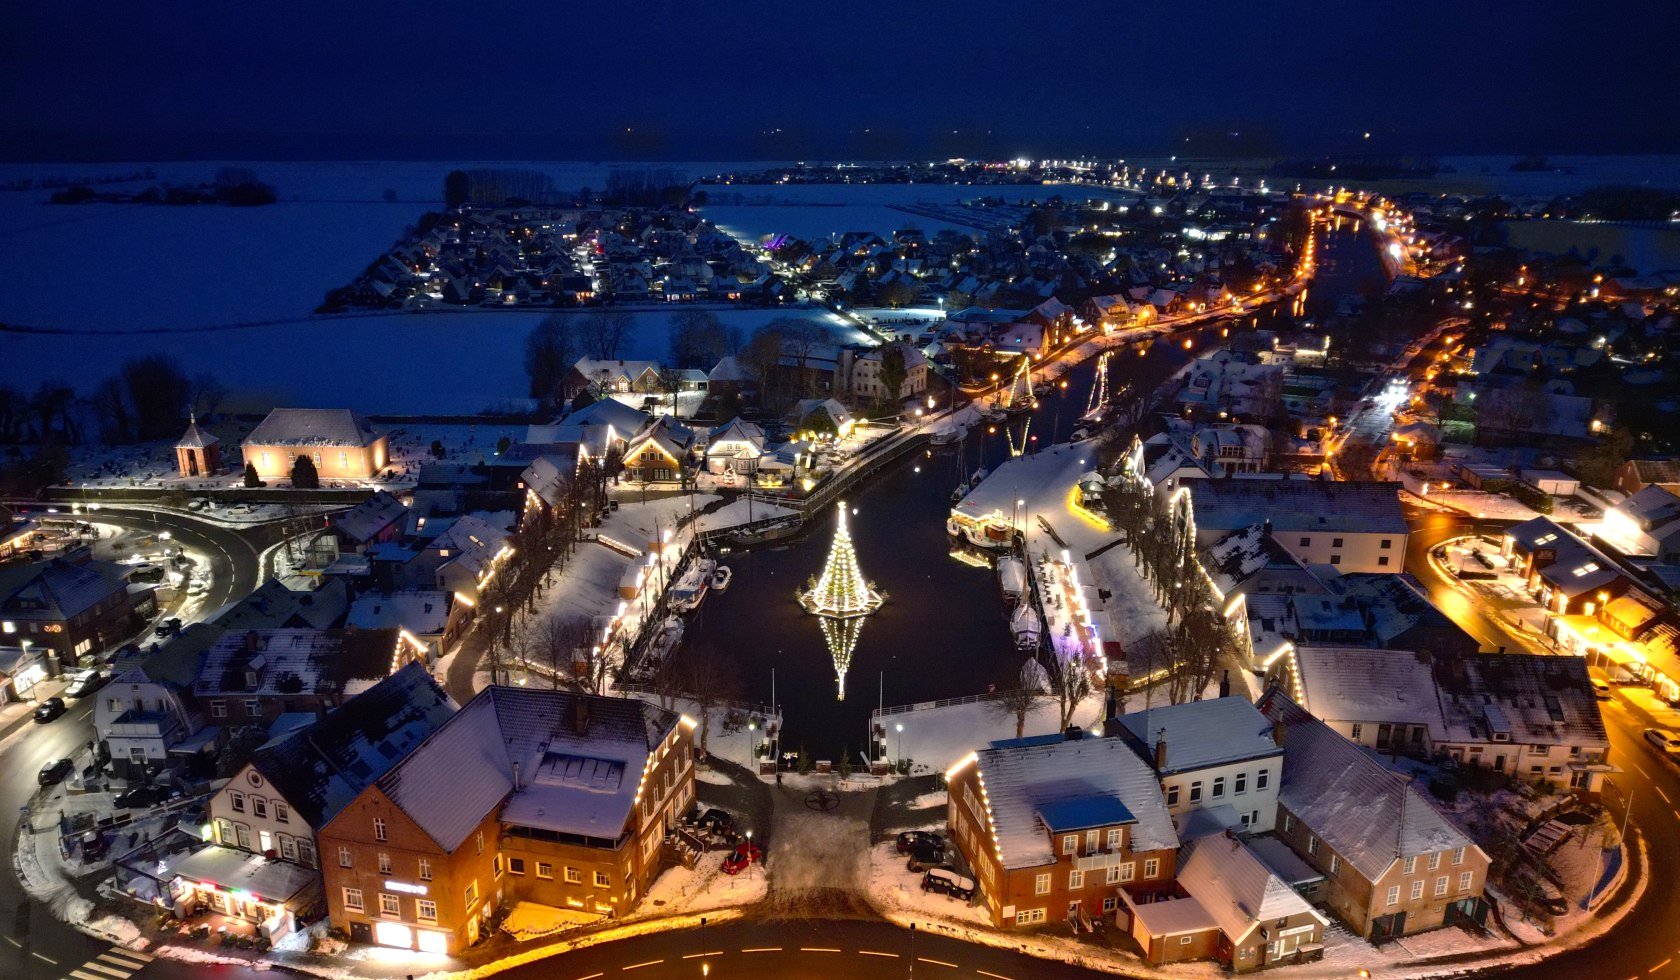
x=840, y=599
x=841, y=635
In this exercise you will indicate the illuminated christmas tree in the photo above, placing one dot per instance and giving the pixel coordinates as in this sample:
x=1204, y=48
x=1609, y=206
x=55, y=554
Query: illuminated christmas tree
x=841, y=591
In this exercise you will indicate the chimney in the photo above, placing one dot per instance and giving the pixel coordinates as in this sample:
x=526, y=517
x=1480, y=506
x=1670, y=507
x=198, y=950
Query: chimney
x=1073, y=734
x=1277, y=732
x=1225, y=684
x=1111, y=712
x=1161, y=750
x=580, y=716
x=517, y=785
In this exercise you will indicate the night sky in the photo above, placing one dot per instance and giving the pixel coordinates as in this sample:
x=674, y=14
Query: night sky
x=858, y=79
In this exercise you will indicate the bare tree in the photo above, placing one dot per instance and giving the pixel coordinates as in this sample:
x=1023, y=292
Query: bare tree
x=1070, y=683
x=604, y=332
x=708, y=680
x=1016, y=700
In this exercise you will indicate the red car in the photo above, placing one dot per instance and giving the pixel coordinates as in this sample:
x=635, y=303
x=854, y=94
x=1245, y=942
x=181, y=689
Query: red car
x=745, y=853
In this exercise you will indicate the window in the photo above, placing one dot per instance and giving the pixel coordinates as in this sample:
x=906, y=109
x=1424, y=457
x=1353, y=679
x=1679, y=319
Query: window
x=1185, y=940
x=1434, y=860
x=1394, y=894
x=282, y=813
x=478, y=842
x=1440, y=886
x=1288, y=823
x=1115, y=837
x=253, y=708
x=1382, y=561
x=1110, y=904
x=1172, y=795
x=1335, y=542
x=379, y=829
x=1029, y=916
x=425, y=910
x=353, y=900
x=1464, y=881
x=1091, y=837
x=574, y=876
x=238, y=801
x=1151, y=867
x=1411, y=865
x=1335, y=559
x=344, y=857
x=244, y=836
x=1128, y=871
x=1458, y=856
x=389, y=906
x=496, y=866
x=306, y=853
x=259, y=807
x=1335, y=864
x=601, y=880
x=1312, y=845
x=218, y=709
x=1358, y=732
x=384, y=863
x=1387, y=543
x=1041, y=885
x=516, y=865
x=1113, y=877
x=1076, y=879
x=425, y=869
x=1261, y=778
x=1070, y=843
x=1306, y=542
x=1241, y=784
x=545, y=870
x=1417, y=889
x=472, y=892
x=1196, y=792
x=288, y=847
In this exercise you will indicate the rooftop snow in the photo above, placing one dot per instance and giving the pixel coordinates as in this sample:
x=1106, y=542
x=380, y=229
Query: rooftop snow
x=1236, y=887
x=1200, y=734
x=1298, y=505
x=312, y=427
x=1357, y=684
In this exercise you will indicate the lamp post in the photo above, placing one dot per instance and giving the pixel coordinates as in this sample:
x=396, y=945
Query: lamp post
x=899, y=727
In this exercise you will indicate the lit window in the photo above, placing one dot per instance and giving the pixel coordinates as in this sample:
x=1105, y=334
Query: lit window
x=379, y=829
x=1076, y=879
x=425, y=910
x=1041, y=885
x=601, y=880
x=574, y=876
x=389, y=906
x=353, y=899
x=425, y=869
x=384, y=863
x=1151, y=867
x=344, y=857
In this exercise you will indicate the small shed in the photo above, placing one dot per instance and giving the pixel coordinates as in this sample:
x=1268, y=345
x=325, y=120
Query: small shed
x=1554, y=482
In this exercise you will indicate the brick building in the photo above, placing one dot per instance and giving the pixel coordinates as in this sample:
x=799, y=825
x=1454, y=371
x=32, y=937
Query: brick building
x=550, y=797
x=1055, y=826
x=341, y=444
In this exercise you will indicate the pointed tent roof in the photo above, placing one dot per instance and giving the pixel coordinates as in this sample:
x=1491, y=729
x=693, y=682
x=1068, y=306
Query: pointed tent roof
x=195, y=437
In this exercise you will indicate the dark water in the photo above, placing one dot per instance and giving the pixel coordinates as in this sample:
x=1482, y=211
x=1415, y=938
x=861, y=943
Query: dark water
x=942, y=632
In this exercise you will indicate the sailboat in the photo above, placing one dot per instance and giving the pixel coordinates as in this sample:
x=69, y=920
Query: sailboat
x=1097, y=405
x=1018, y=397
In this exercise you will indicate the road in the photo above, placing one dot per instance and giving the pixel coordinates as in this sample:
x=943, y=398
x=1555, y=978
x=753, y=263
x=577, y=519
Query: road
x=35, y=943
x=1430, y=528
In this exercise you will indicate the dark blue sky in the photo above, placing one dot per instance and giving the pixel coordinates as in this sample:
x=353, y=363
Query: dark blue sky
x=855, y=78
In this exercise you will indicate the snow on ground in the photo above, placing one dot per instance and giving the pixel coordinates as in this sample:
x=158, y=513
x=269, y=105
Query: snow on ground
x=1131, y=607
x=679, y=891
x=937, y=737
x=1493, y=506
x=738, y=512
x=896, y=890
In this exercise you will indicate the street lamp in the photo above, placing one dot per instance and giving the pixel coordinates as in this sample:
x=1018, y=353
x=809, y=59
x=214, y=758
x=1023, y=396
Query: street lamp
x=899, y=727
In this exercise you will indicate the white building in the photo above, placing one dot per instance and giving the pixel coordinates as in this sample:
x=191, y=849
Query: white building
x=1215, y=756
x=1354, y=526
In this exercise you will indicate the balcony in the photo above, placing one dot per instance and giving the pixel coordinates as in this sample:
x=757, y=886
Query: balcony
x=146, y=724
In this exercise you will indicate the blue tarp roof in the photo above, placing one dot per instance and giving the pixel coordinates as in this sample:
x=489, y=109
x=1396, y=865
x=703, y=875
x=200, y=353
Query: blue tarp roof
x=1081, y=814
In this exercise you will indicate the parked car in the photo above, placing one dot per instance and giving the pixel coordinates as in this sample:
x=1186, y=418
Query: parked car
x=142, y=797
x=744, y=854
x=948, y=882
x=168, y=627
x=86, y=683
x=54, y=772
x=715, y=821
x=147, y=572
x=1601, y=690
x=1663, y=739
x=910, y=838
x=924, y=856
x=49, y=709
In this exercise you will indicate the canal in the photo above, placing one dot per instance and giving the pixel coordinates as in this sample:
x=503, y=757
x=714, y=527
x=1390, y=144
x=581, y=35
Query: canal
x=942, y=632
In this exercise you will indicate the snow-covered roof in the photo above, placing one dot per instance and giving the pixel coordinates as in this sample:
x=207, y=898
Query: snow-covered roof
x=1174, y=917
x=547, y=477
x=1021, y=780
x=729, y=369
x=613, y=370
x=1238, y=890
x=1532, y=699
x=1299, y=505
x=364, y=521
x=1369, y=815
x=571, y=783
x=1356, y=684
x=321, y=768
x=1200, y=734
x=625, y=420
x=57, y=588
x=422, y=613
x=196, y=438
x=312, y=427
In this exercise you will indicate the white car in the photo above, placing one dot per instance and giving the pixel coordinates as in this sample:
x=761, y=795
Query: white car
x=1662, y=738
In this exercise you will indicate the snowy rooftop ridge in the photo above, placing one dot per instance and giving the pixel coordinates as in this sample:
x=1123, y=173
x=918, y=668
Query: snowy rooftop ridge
x=1236, y=888
x=1368, y=815
x=1358, y=684
x=312, y=427
x=1299, y=505
x=1023, y=780
x=1199, y=734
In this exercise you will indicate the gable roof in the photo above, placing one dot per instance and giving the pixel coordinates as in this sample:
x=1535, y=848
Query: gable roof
x=57, y=588
x=1539, y=699
x=626, y=421
x=1200, y=734
x=312, y=427
x=1369, y=815
x=1021, y=780
x=578, y=784
x=320, y=769
x=367, y=519
x=1357, y=684
x=1299, y=505
x=1238, y=890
